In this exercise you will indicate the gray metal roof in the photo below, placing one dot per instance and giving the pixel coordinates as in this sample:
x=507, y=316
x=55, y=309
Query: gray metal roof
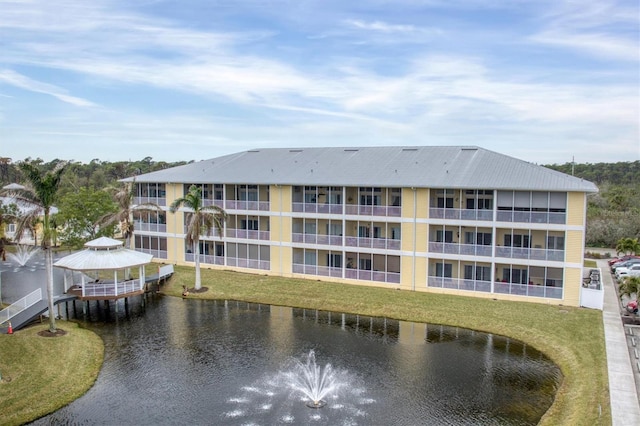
x=103, y=254
x=424, y=166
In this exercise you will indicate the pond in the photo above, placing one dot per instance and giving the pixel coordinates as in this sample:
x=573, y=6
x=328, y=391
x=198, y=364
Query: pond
x=182, y=361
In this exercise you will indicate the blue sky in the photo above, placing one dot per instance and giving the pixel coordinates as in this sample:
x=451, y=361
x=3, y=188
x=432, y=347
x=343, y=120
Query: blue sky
x=542, y=80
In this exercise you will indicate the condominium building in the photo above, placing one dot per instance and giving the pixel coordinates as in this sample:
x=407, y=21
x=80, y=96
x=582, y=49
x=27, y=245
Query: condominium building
x=447, y=219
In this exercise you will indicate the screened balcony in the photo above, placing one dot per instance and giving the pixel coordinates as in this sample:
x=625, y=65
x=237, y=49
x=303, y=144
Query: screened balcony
x=155, y=193
x=379, y=235
x=471, y=204
x=317, y=231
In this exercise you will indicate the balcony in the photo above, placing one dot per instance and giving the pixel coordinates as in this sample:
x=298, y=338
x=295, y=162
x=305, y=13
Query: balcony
x=149, y=227
x=246, y=205
x=463, y=249
x=389, y=211
x=323, y=271
x=161, y=201
x=531, y=217
x=332, y=240
x=317, y=208
x=460, y=214
x=379, y=243
x=249, y=263
x=248, y=234
x=368, y=275
x=528, y=253
x=157, y=253
x=529, y=290
x=459, y=284
x=205, y=258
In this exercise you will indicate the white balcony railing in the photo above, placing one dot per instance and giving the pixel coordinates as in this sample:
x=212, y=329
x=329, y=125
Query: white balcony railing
x=464, y=249
x=379, y=243
x=332, y=240
x=149, y=227
x=462, y=214
x=459, y=284
x=20, y=305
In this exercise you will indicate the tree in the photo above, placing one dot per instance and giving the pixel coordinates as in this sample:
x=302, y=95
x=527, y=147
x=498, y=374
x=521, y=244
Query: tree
x=79, y=211
x=201, y=219
x=37, y=197
x=628, y=246
x=630, y=287
x=124, y=196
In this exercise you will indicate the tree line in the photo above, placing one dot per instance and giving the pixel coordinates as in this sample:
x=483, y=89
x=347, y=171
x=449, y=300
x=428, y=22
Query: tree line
x=612, y=214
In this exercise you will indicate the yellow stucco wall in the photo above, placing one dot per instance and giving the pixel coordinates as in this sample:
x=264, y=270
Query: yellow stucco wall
x=572, y=284
x=574, y=247
x=576, y=208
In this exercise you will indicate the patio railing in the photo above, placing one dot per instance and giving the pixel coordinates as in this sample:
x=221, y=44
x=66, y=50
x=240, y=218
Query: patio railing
x=20, y=305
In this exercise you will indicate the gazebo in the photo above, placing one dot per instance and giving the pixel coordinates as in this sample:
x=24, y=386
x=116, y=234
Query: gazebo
x=106, y=254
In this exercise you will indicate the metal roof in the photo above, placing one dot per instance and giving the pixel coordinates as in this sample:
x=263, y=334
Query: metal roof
x=409, y=166
x=103, y=254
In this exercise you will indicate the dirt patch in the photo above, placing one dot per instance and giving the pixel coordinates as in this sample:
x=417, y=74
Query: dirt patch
x=58, y=333
x=201, y=290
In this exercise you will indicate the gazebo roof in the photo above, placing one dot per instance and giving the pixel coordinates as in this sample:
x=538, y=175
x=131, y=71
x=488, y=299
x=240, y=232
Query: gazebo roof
x=103, y=254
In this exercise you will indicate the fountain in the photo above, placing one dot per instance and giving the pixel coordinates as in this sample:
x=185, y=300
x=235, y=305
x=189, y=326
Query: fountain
x=303, y=383
x=24, y=254
x=312, y=381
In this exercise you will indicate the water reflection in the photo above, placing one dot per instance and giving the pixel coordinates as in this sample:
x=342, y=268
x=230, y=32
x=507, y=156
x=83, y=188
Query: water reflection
x=215, y=362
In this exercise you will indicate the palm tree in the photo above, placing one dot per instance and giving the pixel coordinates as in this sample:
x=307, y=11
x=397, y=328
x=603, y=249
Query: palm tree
x=630, y=286
x=38, y=196
x=200, y=220
x=628, y=246
x=124, y=196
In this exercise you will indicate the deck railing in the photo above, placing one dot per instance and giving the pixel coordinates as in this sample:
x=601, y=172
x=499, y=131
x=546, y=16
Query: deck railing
x=20, y=305
x=111, y=288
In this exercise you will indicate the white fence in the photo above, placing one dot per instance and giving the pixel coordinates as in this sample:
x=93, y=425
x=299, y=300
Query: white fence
x=20, y=305
x=592, y=292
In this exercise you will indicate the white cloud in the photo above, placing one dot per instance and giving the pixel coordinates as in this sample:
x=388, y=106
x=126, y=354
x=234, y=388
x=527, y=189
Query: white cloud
x=13, y=78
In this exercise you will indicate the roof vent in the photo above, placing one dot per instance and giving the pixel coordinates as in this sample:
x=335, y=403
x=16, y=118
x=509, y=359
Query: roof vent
x=254, y=150
x=409, y=149
x=351, y=150
x=295, y=150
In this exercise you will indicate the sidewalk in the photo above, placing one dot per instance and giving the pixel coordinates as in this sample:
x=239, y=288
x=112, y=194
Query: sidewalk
x=625, y=409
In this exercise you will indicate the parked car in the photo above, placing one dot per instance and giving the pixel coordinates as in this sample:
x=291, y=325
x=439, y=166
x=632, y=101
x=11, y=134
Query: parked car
x=629, y=271
x=622, y=259
x=624, y=264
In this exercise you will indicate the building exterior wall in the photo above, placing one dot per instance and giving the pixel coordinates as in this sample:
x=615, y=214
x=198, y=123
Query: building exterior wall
x=350, y=235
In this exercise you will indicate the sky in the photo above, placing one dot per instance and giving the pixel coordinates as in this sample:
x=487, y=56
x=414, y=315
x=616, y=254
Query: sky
x=545, y=81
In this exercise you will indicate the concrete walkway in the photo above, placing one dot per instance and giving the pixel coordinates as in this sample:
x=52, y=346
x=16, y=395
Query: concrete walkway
x=625, y=409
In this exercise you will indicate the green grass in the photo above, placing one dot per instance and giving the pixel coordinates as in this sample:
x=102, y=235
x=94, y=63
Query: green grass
x=42, y=374
x=572, y=337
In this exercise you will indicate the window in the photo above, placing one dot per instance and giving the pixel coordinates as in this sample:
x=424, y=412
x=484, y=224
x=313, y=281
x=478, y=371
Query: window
x=517, y=240
x=363, y=232
x=444, y=270
x=334, y=260
x=478, y=273
x=365, y=264
x=444, y=236
x=479, y=238
x=555, y=243
x=310, y=257
x=334, y=228
x=249, y=224
x=516, y=276
x=395, y=233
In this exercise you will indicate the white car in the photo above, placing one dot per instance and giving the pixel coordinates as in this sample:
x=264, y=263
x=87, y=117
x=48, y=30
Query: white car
x=630, y=271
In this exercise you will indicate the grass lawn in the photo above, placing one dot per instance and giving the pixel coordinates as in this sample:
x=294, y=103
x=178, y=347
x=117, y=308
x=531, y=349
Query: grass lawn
x=572, y=337
x=43, y=374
